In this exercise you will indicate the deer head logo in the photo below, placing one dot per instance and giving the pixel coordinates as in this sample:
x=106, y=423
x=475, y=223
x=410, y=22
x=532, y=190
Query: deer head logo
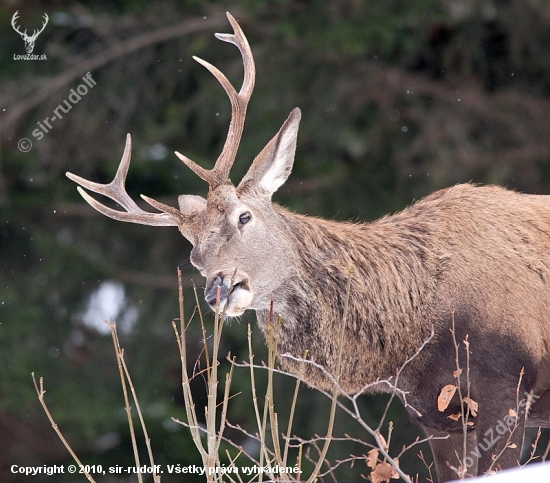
x=28, y=39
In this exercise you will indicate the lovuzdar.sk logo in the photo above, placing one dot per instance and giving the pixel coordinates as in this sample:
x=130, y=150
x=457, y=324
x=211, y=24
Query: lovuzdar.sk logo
x=29, y=39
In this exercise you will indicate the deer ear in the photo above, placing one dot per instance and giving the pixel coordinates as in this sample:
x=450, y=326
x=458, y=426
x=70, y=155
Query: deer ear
x=273, y=165
x=191, y=204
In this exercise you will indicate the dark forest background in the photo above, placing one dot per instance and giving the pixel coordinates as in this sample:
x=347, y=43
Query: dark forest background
x=399, y=98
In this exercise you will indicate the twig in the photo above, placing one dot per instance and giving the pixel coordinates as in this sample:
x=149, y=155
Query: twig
x=203, y=328
x=263, y=452
x=120, y=358
x=336, y=388
x=40, y=392
x=513, y=429
x=127, y=406
x=546, y=451
x=532, y=455
x=187, y=396
x=464, y=414
x=428, y=466
x=292, y=409
x=395, y=387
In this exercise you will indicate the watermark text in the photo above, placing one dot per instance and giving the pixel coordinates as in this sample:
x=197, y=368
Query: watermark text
x=46, y=125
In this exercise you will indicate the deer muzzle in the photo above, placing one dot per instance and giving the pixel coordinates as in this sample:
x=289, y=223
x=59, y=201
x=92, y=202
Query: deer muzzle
x=231, y=291
x=212, y=289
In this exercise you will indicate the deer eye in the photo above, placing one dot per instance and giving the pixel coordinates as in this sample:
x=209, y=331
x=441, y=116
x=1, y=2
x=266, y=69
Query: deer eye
x=244, y=218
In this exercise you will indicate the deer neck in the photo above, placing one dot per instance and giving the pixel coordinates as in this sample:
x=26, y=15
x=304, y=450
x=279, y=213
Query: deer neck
x=389, y=287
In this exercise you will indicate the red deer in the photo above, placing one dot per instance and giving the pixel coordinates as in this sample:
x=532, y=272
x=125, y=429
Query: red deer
x=473, y=257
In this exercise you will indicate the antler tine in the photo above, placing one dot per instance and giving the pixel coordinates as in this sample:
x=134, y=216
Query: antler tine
x=37, y=32
x=239, y=103
x=116, y=191
x=239, y=39
x=14, y=23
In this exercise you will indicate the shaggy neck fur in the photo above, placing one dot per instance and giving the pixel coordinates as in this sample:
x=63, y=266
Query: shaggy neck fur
x=393, y=276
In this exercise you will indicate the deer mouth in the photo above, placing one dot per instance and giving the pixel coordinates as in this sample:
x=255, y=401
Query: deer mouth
x=233, y=300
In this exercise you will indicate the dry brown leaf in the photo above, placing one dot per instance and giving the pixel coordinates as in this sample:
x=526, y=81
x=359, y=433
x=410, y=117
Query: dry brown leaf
x=457, y=373
x=512, y=445
x=383, y=442
x=472, y=405
x=445, y=396
x=454, y=417
x=512, y=413
x=382, y=473
x=469, y=423
x=372, y=458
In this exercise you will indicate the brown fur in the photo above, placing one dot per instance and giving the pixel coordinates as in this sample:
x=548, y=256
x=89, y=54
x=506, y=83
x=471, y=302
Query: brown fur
x=482, y=252
x=478, y=254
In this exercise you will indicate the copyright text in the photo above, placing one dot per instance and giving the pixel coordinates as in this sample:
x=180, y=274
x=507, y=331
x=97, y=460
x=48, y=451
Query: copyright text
x=157, y=469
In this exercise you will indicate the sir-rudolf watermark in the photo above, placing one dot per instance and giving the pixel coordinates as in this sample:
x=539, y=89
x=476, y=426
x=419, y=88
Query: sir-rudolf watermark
x=45, y=126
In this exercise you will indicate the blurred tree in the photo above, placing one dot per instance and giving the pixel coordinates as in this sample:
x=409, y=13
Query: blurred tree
x=398, y=99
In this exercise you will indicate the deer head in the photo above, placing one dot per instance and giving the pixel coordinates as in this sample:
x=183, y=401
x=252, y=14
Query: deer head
x=29, y=40
x=233, y=231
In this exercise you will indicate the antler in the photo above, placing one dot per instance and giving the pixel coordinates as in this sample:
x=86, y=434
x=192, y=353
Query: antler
x=219, y=174
x=14, y=25
x=239, y=102
x=116, y=191
x=35, y=34
x=44, y=23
